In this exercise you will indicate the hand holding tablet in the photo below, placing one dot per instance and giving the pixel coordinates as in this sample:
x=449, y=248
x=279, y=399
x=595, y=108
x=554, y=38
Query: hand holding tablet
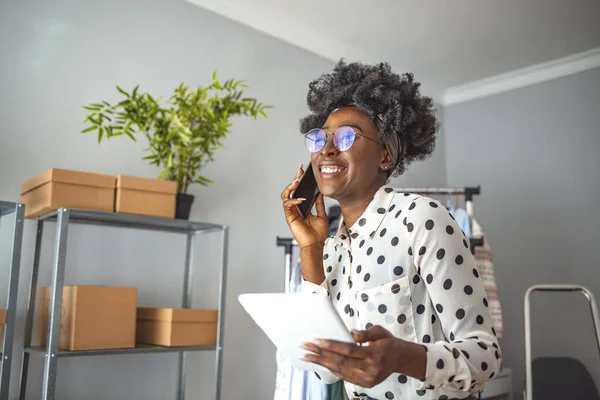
x=293, y=319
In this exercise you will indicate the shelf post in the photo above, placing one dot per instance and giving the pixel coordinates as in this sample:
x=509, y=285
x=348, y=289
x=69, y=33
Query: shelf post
x=13, y=279
x=58, y=280
x=33, y=282
x=186, y=303
x=221, y=321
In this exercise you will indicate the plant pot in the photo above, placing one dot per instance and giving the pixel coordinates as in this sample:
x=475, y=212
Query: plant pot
x=183, y=206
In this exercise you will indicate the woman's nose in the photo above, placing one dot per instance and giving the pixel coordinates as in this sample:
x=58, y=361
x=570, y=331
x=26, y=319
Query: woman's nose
x=329, y=149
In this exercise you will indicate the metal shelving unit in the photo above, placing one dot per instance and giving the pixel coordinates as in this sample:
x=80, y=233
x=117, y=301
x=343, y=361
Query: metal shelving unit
x=63, y=217
x=6, y=350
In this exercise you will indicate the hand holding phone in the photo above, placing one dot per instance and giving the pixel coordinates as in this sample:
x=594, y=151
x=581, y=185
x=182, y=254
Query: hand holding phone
x=306, y=189
x=298, y=199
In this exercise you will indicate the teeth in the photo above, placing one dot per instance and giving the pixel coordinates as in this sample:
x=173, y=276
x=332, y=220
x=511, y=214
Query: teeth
x=331, y=169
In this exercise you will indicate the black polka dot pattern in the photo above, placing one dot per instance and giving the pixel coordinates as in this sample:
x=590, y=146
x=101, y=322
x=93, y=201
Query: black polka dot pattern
x=440, y=254
x=408, y=269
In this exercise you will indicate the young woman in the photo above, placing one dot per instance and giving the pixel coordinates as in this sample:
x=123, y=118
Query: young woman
x=399, y=270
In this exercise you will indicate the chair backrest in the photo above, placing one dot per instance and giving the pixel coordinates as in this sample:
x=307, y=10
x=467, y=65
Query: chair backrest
x=561, y=378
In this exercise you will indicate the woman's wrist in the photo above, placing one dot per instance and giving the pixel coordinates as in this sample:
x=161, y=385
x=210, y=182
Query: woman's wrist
x=412, y=359
x=311, y=258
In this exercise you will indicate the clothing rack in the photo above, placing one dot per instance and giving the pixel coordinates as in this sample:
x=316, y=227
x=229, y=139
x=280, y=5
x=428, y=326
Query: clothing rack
x=288, y=245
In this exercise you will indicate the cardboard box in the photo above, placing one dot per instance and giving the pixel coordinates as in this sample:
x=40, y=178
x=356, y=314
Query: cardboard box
x=92, y=317
x=176, y=326
x=2, y=322
x=58, y=188
x=145, y=196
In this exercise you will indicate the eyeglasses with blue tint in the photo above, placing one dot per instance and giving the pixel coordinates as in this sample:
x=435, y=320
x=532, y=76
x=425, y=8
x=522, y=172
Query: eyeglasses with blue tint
x=343, y=139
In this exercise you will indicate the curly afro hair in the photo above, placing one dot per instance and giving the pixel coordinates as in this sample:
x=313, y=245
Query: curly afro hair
x=406, y=120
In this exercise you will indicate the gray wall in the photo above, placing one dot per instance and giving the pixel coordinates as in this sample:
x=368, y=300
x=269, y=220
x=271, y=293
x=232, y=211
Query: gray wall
x=58, y=56
x=535, y=153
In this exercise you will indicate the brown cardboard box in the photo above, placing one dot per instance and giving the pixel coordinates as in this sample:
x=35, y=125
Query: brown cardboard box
x=145, y=196
x=176, y=326
x=92, y=317
x=58, y=188
x=2, y=322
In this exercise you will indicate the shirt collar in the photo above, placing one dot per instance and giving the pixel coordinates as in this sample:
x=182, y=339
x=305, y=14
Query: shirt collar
x=372, y=217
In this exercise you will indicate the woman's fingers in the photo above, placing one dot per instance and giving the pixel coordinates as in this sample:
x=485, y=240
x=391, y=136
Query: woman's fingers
x=287, y=192
x=285, y=195
x=347, y=369
x=342, y=348
x=293, y=202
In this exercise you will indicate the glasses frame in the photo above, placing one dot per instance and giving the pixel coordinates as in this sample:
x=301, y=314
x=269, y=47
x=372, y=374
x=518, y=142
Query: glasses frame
x=327, y=133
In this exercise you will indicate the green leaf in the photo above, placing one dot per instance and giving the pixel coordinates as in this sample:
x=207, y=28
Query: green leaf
x=89, y=129
x=128, y=133
x=122, y=91
x=100, y=130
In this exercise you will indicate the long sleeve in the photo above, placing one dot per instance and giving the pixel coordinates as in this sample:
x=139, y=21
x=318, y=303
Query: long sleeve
x=444, y=261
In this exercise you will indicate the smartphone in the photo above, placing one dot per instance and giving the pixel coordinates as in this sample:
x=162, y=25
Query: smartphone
x=307, y=189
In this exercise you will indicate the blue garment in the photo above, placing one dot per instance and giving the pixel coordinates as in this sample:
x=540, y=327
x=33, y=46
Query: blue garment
x=462, y=218
x=305, y=385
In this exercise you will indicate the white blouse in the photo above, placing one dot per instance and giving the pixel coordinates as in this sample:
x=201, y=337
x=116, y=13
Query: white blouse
x=406, y=265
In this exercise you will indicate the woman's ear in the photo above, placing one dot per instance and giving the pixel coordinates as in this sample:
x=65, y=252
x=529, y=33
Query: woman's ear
x=386, y=162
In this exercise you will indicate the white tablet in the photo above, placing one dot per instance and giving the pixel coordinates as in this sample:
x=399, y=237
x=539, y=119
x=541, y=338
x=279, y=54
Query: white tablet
x=291, y=319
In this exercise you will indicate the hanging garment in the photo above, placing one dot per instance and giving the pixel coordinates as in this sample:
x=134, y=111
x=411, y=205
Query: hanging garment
x=462, y=219
x=485, y=266
x=292, y=383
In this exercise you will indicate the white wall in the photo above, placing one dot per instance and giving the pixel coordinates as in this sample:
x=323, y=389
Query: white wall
x=535, y=153
x=57, y=56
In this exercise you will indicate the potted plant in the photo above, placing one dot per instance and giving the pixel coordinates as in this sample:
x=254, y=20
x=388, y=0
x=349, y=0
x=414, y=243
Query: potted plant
x=183, y=134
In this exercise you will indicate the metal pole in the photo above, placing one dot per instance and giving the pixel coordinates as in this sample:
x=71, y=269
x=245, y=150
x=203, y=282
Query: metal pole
x=30, y=310
x=13, y=278
x=186, y=303
x=288, y=268
x=528, y=395
x=221, y=323
x=58, y=280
